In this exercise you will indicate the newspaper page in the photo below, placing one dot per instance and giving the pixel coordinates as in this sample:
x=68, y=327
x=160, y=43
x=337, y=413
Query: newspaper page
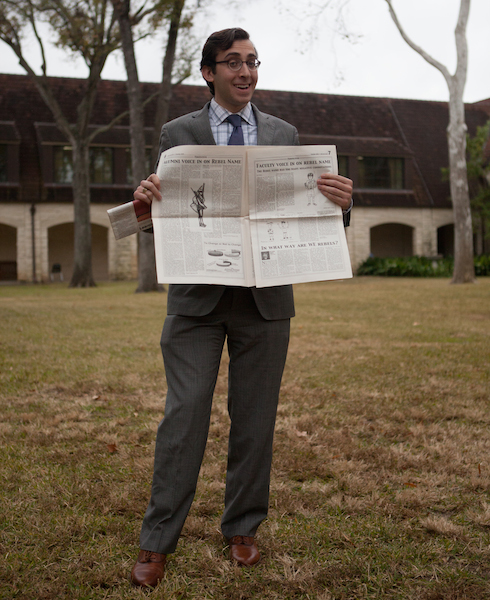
x=297, y=234
x=201, y=226
x=247, y=216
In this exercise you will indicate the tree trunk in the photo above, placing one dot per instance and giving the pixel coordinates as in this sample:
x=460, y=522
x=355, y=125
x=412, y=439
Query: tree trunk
x=147, y=269
x=147, y=279
x=71, y=24
x=145, y=248
x=165, y=91
x=464, y=269
x=82, y=259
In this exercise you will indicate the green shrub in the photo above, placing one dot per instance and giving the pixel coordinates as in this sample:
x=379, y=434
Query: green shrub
x=482, y=265
x=418, y=266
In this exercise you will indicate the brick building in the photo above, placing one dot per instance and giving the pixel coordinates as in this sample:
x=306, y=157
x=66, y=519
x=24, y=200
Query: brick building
x=393, y=149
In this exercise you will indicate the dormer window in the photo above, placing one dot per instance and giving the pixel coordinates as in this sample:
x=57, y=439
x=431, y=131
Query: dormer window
x=381, y=172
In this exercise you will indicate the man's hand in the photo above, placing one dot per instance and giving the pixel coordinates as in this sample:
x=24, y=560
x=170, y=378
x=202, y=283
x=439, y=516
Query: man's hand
x=148, y=190
x=336, y=188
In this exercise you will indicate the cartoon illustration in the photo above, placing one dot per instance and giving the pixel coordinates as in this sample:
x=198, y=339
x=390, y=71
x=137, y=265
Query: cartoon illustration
x=310, y=186
x=198, y=204
x=270, y=230
x=284, y=225
x=222, y=257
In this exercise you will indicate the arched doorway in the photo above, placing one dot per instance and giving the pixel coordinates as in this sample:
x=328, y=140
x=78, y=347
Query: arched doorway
x=445, y=240
x=60, y=251
x=8, y=253
x=391, y=240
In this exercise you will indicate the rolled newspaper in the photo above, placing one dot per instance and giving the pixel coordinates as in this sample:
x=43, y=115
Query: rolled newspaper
x=129, y=218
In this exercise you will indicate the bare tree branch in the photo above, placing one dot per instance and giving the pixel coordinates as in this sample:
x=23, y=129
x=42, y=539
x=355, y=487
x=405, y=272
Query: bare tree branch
x=425, y=55
x=32, y=21
x=461, y=42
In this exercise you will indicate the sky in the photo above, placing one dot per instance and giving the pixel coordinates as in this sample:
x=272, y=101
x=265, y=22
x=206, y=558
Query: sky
x=372, y=60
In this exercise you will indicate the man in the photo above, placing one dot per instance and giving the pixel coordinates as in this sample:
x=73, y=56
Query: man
x=254, y=322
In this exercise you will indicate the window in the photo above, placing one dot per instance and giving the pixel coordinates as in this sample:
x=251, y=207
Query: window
x=343, y=165
x=379, y=172
x=63, y=164
x=129, y=169
x=101, y=165
x=3, y=163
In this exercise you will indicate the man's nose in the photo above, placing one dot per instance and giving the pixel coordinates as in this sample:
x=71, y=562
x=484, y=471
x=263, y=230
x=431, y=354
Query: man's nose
x=244, y=66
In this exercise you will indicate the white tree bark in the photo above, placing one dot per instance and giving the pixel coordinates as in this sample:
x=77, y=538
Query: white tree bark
x=464, y=271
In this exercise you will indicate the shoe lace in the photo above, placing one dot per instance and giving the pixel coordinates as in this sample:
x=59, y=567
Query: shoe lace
x=150, y=556
x=242, y=539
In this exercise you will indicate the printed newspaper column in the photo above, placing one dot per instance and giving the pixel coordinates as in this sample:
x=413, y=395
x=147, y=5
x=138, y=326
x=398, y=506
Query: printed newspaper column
x=297, y=234
x=201, y=225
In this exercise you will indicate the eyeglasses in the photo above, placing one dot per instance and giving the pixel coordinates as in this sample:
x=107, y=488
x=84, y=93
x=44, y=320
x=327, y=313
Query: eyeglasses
x=235, y=64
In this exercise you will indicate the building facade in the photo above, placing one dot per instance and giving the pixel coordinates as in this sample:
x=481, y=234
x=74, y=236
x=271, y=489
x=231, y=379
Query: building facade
x=392, y=149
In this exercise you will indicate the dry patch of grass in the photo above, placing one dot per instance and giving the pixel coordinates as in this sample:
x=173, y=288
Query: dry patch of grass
x=381, y=477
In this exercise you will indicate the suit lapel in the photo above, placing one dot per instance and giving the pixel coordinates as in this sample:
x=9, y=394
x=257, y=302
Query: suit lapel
x=201, y=128
x=265, y=128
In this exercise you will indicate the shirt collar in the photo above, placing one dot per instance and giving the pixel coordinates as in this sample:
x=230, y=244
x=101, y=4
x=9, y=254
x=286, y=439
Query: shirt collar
x=218, y=114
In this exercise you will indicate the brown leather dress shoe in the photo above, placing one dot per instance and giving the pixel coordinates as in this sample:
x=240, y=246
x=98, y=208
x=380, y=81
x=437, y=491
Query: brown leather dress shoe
x=149, y=569
x=243, y=550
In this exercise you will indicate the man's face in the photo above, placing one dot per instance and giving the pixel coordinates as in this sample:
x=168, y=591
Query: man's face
x=233, y=89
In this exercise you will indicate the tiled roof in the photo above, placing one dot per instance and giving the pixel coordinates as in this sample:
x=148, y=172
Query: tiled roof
x=364, y=146
x=48, y=133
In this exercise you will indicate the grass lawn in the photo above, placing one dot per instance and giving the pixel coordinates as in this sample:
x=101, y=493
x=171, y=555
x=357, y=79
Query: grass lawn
x=381, y=476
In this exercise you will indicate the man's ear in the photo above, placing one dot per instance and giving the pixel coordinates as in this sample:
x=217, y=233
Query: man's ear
x=207, y=73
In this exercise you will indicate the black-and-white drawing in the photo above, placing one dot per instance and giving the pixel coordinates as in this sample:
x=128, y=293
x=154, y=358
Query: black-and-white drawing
x=311, y=188
x=198, y=204
x=221, y=258
x=270, y=230
x=284, y=225
x=233, y=253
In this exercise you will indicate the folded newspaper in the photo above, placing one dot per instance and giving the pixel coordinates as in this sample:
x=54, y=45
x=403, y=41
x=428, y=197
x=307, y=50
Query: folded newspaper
x=129, y=218
x=245, y=216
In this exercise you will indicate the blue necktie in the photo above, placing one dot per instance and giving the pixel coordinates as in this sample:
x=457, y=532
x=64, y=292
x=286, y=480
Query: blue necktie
x=236, y=137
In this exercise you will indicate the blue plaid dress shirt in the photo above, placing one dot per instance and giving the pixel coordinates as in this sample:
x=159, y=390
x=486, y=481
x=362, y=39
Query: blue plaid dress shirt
x=222, y=129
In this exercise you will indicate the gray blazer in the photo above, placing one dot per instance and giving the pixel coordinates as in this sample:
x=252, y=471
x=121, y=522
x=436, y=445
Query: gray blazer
x=199, y=300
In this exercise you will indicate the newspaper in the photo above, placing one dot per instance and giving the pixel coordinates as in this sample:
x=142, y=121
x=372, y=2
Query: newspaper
x=129, y=218
x=247, y=216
